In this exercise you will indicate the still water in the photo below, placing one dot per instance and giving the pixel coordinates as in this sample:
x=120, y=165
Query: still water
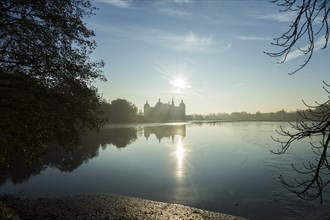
x=223, y=167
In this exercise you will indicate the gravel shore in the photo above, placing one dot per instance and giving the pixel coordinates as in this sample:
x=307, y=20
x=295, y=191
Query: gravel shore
x=105, y=207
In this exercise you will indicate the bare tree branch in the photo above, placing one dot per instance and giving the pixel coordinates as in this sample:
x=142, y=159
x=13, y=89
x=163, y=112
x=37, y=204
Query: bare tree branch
x=310, y=15
x=315, y=123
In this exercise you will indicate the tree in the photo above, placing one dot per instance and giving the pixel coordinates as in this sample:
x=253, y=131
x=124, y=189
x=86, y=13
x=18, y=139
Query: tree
x=315, y=124
x=46, y=75
x=120, y=111
x=311, y=21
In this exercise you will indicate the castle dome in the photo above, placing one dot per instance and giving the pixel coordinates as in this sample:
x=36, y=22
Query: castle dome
x=158, y=103
x=182, y=104
x=147, y=104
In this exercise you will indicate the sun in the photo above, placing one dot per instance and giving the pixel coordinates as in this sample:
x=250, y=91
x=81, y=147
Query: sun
x=179, y=83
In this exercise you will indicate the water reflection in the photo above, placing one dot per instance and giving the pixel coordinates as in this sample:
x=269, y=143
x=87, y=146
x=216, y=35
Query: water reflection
x=68, y=159
x=180, y=153
x=171, y=131
x=226, y=168
x=168, y=131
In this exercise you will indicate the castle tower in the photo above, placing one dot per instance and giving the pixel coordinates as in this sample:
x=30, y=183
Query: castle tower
x=146, y=110
x=182, y=110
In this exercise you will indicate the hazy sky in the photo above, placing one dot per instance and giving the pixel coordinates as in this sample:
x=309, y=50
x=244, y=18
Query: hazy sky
x=208, y=53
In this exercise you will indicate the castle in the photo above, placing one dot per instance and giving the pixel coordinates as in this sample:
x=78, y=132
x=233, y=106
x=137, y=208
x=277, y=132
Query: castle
x=165, y=112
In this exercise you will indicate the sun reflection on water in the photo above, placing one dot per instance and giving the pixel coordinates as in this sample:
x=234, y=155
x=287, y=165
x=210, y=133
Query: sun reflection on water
x=180, y=154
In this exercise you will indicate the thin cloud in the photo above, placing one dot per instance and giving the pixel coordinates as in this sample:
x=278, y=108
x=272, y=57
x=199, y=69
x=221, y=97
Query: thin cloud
x=191, y=42
x=117, y=3
x=297, y=53
x=281, y=17
x=241, y=84
x=174, y=12
x=253, y=38
x=229, y=20
x=188, y=42
x=182, y=1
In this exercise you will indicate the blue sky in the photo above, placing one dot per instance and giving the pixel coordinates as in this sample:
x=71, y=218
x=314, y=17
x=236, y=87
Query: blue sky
x=208, y=53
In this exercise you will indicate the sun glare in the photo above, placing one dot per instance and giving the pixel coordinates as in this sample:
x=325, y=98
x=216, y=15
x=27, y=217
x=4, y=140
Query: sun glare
x=179, y=83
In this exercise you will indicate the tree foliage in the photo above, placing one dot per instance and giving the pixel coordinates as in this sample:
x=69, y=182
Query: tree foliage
x=46, y=75
x=311, y=21
x=119, y=111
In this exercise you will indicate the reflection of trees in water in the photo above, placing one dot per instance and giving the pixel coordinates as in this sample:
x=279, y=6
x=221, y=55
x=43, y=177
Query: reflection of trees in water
x=18, y=174
x=165, y=131
x=202, y=123
x=119, y=137
x=68, y=159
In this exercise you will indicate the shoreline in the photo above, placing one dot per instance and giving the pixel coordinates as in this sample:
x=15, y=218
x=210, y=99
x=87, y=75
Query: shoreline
x=100, y=206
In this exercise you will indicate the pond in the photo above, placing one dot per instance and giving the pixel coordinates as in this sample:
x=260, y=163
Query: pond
x=225, y=167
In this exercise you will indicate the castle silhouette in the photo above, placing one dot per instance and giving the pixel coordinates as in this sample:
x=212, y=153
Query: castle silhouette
x=165, y=112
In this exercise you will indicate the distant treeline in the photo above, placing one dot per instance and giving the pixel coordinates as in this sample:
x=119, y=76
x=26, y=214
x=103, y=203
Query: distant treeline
x=245, y=116
x=258, y=116
x=123, y=111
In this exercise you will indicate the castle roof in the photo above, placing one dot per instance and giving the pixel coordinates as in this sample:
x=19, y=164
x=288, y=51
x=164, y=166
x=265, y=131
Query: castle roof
x=159, y=104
